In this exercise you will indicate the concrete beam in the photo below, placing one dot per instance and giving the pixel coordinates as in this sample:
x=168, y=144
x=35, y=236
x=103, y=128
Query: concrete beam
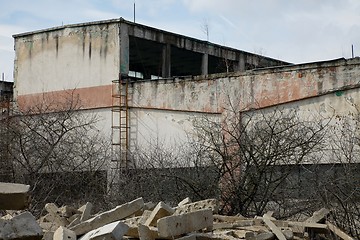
x=118, y=213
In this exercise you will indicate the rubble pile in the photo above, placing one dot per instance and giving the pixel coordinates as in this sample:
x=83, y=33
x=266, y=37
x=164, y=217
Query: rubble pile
x=146, y=221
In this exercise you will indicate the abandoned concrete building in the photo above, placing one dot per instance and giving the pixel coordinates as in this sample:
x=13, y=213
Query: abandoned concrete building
x=146, y=83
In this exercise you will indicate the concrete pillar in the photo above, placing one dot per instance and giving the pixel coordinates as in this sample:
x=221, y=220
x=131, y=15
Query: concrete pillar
x=205, y=64
x=124, y=49
x=166, y=61
x=241, y=63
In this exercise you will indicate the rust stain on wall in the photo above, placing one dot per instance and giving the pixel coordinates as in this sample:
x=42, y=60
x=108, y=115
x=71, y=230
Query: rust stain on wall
x=89, y=98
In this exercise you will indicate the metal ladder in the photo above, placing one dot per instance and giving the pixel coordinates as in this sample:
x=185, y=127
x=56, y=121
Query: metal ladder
x=120, y=124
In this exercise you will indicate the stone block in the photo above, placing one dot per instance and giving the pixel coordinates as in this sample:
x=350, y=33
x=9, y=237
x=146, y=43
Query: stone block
x=288, y=233
x=63, y=233
x=111, y=231
x=86, y=211
x=184, y=202
x=147, y=233
x=48, y=226
x=204, y=204
x=54, y=215
x=14, y=196
x=176, y=225
x=161, y=210
x=67, y=211
x=48, y=235
x=22, y=226
x=133, y=224
x=250, y=236
x=265, y=236
x=118, y=213
x=54, y=218
x=149, y=206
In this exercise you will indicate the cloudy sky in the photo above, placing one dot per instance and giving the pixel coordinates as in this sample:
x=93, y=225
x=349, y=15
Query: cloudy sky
x=291, y=30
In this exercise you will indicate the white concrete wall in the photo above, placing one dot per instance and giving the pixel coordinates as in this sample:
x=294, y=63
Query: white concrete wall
x=67, y=58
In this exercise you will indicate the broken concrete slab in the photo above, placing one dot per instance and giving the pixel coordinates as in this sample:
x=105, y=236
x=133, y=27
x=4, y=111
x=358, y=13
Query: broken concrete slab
x=14, y=196
x=22, y=226
x=274, y=229
x=63, y=233
x=338, y=232
x=161, y=210
x=176, y=225
x=204, y=204
x=318, y=216
x=118, y=213
x=111, y=231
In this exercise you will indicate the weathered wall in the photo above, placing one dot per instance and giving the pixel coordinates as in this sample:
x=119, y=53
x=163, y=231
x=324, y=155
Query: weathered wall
x=84, y=59
x=249, y=90
x=74, y=57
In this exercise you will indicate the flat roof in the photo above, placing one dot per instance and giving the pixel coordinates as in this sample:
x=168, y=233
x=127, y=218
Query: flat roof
x=122, y=20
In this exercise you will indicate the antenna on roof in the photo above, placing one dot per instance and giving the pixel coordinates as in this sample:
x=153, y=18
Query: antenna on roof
x=352, y=50
x=134, y=10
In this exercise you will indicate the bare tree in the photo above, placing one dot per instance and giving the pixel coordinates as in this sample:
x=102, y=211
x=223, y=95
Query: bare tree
x=336, y=183
x=56, y=148
x=252, y=151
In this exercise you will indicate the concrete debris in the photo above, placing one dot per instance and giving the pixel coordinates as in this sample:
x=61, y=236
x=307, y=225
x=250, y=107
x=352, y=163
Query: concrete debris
x=187, y=220
x=176, y=225
x=161, y=210
x=63, y=233
x=118, y=213
x=14, y=196
x=148, y=221
x=22, y=226
x=111, y=231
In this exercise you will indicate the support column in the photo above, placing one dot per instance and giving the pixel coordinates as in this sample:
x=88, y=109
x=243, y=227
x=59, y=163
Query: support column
x=241, y=63
x=205, y=64
x=124, y=49
x=166, y=61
